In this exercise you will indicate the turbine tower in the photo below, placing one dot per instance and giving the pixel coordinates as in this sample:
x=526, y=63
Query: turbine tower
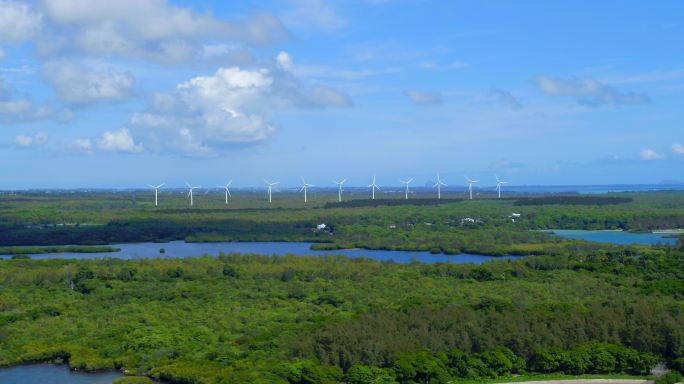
x=156, y=192
x=439, y=184
x=270, y=189
x=227, y=188
x=304, y=188
x=407, y=182
x=190, y=194
x=339, y=189
x=499, y=183
x=373, y=187
x=470, y=186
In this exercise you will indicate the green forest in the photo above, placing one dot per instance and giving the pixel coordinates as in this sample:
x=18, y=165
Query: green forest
x=569, y=308
x=247, y=318
x=486, y=226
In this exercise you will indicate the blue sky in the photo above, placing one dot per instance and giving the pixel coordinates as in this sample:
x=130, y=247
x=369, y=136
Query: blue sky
x=122, y=93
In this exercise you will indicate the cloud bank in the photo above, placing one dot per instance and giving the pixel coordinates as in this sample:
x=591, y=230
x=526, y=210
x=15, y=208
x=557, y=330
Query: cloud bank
x=231, y=107
x=588, y=92
x=424, y=98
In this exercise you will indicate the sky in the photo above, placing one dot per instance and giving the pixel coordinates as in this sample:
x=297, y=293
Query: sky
x=125, y=93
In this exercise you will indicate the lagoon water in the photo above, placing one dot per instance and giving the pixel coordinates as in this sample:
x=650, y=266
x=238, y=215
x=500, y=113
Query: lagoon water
x=53, y=374
x=616, y=237
x=180, y=249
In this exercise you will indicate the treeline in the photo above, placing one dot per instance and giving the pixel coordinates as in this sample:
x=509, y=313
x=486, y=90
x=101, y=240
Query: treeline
x=378, y=338
x=571, y=200
x=134, y=231
x=357, y=203
x=424, y=366
x=56, y=249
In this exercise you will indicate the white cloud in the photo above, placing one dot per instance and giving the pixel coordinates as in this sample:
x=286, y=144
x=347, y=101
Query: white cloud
x=424, y=98
x=78, y=84
x=330, y=97
x=18, y=22
x=81, y=145
x=649, y=154
x=15, y=107
x=231, y=107
x=678, y=149
x=506, y=98
x=27, y=141
x=118, y=141
x=285, y=61
x=436, y=66
x=588, y=91
x=149, y=29
x=318, y=14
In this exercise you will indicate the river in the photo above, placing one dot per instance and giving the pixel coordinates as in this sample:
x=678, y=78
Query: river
x=181, y=249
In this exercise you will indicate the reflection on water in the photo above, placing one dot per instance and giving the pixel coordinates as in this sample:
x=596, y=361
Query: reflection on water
x=53, y=374
x=180, y=249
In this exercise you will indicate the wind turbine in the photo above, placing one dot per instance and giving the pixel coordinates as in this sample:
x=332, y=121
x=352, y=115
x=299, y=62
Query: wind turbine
x=227, y=188
x=407, y=182
x=373, y=187
x=339, y=189
x=439, y=185
x=304, y=187
x=499, y=183
x=270, y=189
x=190, y=194
x=470, y=186
x=156, y=192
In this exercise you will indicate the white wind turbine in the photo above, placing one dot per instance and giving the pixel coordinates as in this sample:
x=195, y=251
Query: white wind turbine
x=227, y=188
x=373, y=187
x=304, y=188
x=270, y=189
x=407, y=182
x=499, y=183
x=190, y=193
x=339, y=189
x=156, y=192
x=470, y=186
x=439, y=184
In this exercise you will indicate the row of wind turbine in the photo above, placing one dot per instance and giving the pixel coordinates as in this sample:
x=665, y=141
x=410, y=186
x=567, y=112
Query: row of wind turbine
x=373, y=186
